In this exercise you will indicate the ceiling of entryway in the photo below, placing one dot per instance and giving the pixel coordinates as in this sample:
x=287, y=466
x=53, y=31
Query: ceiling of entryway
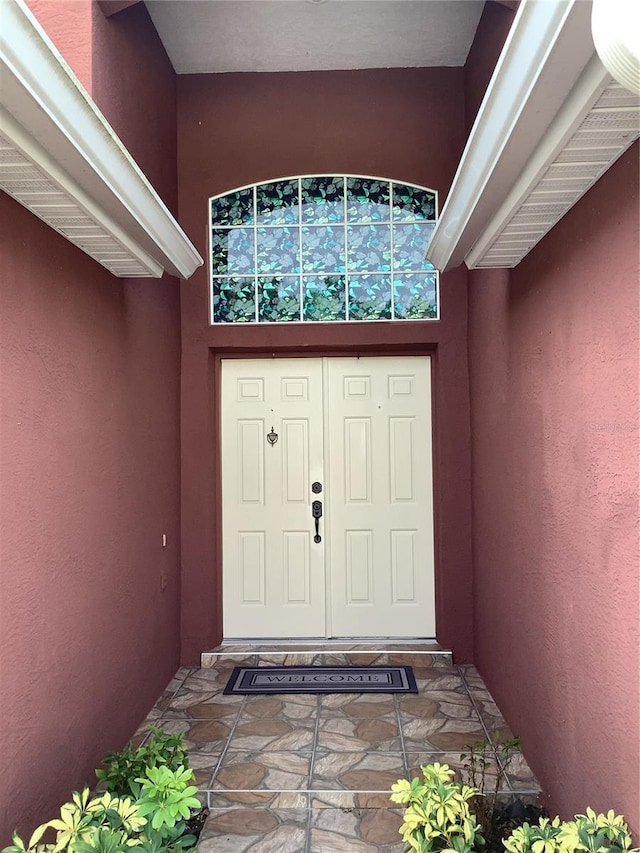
x=213, y=36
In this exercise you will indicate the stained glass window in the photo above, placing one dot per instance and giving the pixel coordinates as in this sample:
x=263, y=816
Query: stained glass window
x=323, y=248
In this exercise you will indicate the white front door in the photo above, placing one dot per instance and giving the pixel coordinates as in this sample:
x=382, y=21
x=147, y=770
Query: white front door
x=273, y=572
x=361, y=429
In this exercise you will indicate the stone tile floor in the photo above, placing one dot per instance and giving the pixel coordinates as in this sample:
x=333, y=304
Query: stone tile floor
x=311, y=774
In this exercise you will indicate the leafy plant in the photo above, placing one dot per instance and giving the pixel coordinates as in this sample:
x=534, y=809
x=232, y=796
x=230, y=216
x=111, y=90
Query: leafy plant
x=588, y=833
x=102, y=840
x=168, y=841
x=437, y=815
x=104, y=824
x=478, y=762
x=166, y=796
x=125, y=767
x=34, y=845
x=537, y=838
x=109, y=824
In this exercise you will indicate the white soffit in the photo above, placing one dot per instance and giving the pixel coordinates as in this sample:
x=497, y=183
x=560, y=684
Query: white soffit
x=220, y=36
x=60, y=159
x=551, y=123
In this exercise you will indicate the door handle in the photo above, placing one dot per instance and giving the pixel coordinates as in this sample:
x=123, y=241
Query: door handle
x=316, y=514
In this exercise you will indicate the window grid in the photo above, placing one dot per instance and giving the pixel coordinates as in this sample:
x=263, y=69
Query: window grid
x=306, y=275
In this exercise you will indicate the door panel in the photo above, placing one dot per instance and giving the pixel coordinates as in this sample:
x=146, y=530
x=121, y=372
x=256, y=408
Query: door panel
x=273, y=572
x=362, y=428
x=380, y=499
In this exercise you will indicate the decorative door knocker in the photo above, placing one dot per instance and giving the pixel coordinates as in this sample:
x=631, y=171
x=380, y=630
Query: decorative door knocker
x=272, y=437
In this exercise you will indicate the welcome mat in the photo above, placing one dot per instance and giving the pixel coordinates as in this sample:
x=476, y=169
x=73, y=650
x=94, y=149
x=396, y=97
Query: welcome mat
x=321, y=679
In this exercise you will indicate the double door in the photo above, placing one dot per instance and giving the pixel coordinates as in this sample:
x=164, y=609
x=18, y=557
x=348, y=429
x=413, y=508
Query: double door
x=327, y=498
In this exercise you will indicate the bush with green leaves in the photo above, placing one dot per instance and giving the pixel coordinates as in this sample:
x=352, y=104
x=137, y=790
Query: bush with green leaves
x=437, y=814
x=166, y=795
x=586, y=833
x=104, y=823
x=123, y=768
x=535, y=838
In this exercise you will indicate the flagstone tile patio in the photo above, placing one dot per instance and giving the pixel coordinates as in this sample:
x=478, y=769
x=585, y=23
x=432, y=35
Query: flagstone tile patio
x=312, y=773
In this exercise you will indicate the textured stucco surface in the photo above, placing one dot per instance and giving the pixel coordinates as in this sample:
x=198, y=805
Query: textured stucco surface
x=134, y=85
x=237, y=129
x=493, y=29
x=555, y=447
x=68, y=23
x=89, y=479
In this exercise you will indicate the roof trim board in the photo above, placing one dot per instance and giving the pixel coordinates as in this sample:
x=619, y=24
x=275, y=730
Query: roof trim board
x=63, y=161
x=545, y=85
x=558, y=175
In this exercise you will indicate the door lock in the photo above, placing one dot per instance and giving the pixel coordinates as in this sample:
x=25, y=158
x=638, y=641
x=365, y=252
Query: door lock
x=316, y=514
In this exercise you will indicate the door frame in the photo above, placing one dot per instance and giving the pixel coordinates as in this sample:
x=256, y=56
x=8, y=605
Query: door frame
x=217, y=354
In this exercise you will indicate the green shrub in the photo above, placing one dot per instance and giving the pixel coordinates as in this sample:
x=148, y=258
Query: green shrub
x=125, y=767
x=106, y=823
x=166, y=795
x=587, y=833
x=437, y=814
x=440, y=815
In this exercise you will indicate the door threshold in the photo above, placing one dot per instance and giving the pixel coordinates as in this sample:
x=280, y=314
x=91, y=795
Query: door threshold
x=243, y=649
x=332, y=642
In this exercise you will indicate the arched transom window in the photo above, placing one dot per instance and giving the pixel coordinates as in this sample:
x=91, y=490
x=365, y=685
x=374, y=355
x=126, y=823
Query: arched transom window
x=323, y=248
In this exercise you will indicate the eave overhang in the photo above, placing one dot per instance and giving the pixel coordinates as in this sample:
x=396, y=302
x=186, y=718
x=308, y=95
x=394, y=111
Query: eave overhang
x=60, y=158
x=551, y=123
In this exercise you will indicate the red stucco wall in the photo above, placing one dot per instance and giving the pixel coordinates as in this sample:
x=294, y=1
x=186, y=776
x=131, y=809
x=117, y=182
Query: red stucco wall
x=134, y=85
x=237, y=129
x=493, y=29
x=555, y=447
x=89, y=477
x=68, y=24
